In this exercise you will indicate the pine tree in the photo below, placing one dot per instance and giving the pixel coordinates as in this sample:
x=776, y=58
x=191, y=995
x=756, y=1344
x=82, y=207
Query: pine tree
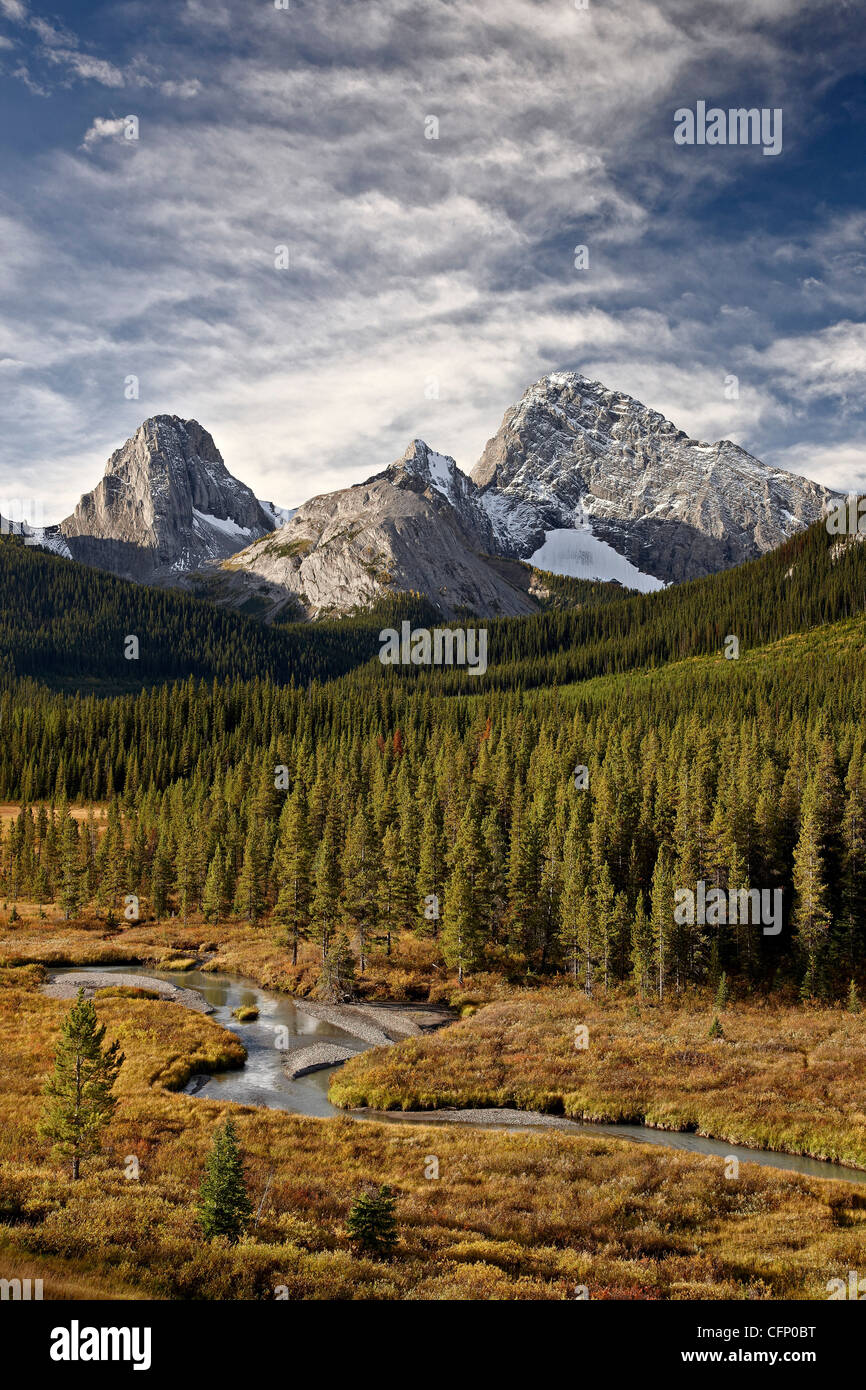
x=642, y=953
x=326, y=894
x=587, y=939
x=212, y=898
x=811, y=916
x=390, y=883
x=371, y=1221
x=462, y=932
x=291, y=872
x=250, y=894
x=160, y=878
x=224, y=1207
x=606, y=917
x=662, y=921
x=524, y=879
x=361, y=872
x=431, y=867
x=80, y=1104
x=336, y=983
x=574, y=877
x=71, y=870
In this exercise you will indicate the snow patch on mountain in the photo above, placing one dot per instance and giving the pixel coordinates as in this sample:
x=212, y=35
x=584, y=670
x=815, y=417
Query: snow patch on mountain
x=46, y=537
x=581, y=555
x=52, y=539
x=226, y=527
x=278, y=515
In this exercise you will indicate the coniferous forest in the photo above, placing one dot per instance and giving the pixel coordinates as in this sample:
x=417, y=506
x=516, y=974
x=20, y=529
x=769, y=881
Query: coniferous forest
x=432, y=678
x=536, y=820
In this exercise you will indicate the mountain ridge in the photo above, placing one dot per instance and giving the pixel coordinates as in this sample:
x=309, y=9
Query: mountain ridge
x=579, y=480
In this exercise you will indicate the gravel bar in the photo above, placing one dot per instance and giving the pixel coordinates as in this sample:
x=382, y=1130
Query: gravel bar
x=303, y=1059
x=67, y=987
x=379, y=1024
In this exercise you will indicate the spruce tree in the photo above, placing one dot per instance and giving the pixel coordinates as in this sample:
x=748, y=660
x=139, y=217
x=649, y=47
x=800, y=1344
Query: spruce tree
x=574, y=875
x=80, y=1104
x=71, y=870
x=336, y=983
x=642, y=954
x=361, y=873
x=250, y=894
x=372, y=1223
x=662, y=921
x=811, y=913
x=431, y=868
x=224, y=1207
x=212, y=898
x=326, y=894
x=462, y=932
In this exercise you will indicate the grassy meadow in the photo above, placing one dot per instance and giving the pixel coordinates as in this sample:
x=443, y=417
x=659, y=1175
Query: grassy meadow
x=781, y=1077
x=511, y=1216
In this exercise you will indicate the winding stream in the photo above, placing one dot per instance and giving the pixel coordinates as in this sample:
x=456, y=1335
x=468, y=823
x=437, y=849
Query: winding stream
x=263, y=1080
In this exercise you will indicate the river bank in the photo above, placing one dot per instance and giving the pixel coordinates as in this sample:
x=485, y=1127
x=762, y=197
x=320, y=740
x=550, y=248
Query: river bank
x=293, y=1052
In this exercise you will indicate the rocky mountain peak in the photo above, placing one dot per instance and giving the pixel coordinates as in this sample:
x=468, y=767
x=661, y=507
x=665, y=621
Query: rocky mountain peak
x=166, y=504
x=579, y=479
x=676, y=507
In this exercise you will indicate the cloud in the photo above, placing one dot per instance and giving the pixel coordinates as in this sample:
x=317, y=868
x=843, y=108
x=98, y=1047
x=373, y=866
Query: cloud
x=57, y=47
x=414, y=259
x=88, y=68
x=841, y=466
x=103, y=128
x=184, y=90
x=34, y=87
x=830, y=364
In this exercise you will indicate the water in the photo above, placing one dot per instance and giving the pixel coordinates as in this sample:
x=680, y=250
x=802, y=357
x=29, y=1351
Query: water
x=263, y=1080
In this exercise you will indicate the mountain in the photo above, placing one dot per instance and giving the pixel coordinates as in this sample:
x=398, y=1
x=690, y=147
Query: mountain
x=578, y=481
x=417, y=526
x=67, y=624
x=572, y=451
x=166, y=505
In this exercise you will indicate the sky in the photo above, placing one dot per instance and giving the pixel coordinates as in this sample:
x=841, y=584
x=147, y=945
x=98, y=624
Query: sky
x=429, y=280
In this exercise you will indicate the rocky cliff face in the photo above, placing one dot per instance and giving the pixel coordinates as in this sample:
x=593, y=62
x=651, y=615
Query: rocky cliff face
x=418, y=525
x=572, y=451
x=166, y=505
x=579, y=480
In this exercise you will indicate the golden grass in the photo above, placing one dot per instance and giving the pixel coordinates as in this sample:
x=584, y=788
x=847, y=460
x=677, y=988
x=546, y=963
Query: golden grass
x=783, y=1077
x=10, y=810
x=511, y=1216
x=413, y=970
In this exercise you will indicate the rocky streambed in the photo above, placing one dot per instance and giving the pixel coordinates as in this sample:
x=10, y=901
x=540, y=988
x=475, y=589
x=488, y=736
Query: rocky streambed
x=66, y=986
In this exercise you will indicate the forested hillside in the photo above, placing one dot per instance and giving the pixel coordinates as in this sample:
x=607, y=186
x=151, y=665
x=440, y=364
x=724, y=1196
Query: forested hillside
x=67, y=625
x=372, y=804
